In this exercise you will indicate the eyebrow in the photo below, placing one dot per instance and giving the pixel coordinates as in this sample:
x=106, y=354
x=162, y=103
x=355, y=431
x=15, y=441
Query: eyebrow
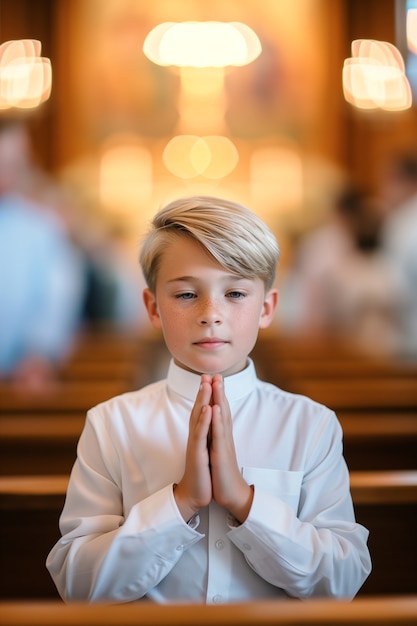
x=188, y=279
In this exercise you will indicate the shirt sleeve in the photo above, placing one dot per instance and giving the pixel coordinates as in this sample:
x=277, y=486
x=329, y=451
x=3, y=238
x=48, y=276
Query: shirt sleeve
x=102, y=554
x=313, y=547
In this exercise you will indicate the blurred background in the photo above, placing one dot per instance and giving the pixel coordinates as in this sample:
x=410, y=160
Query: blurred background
x=288, y=102
x=120, y=133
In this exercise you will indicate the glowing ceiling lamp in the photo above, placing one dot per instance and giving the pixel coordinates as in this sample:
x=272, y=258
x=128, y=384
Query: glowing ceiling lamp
x=202, y=44
x=25, y=76
x=374, y=77
x=201, y=51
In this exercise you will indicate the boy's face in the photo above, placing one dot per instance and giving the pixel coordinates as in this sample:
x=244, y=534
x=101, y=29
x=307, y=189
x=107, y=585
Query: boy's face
x=209, y=317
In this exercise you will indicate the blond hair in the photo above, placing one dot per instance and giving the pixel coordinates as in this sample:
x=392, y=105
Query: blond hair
x=235, y=236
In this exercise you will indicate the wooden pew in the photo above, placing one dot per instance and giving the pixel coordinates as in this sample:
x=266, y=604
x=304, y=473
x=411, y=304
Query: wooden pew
x=378, y=417
x=379, y=440
x=40, y=429
x=288, y=360
x=389, y=611
x=106, y=343
x=385, y=502
x=100, y=352
x=291, y=374
x=29, y=517
x=375, y=398
x=64, y=397
x=32, y=444
x=358, y=394
x=116, y=371
x=46, y=444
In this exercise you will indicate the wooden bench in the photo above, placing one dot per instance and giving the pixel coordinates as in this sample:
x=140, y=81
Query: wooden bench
x=60, y=396
x=379, y=440
x=286, y=374
x=33, y=443
x=285, y=361
x=99, y=352
x=108, y=341
x=385, y=502
x=357, y=394
x=115, y=371
x=388, y=611
x=40, y=429
x=293, y=345
x=29, y=518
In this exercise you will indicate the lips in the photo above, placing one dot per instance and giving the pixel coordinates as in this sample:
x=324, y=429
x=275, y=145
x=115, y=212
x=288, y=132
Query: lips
x=211, y=343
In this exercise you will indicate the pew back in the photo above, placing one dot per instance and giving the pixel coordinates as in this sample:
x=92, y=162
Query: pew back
x=385, y=502
x=399, y=611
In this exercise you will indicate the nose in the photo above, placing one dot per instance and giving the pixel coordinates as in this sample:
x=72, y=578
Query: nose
x=209, y=314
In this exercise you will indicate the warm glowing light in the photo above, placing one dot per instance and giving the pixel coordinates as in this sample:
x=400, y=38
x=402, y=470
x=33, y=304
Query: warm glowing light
x=202, y=84
x=380, y=52
x=224, y=157
x=202, y=44
x=374, y=78
x=188, y=156
x=411, y=30
x=125, y=174
x=276, y=175
x=25, y=76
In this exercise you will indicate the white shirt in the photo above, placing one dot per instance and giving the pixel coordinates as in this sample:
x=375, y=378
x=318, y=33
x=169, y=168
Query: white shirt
x=124, y=537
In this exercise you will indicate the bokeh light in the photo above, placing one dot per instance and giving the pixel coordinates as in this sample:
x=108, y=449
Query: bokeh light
x=188, y=156
x=125, y=174
x=202, y=44
x=374, y=77
x=25, y=76
x=411, y=30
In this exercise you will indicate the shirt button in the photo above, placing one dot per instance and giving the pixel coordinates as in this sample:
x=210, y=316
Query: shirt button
x=219, y=544
x=181, y=546
x=217, y=599
x=247, y=546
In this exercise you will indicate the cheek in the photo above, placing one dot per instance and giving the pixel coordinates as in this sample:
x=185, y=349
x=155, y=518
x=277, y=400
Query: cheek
x=173, y=321
x=246, y=324
x=253, y=316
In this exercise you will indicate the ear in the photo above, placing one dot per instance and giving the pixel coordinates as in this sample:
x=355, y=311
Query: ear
x=151, y=305
x=268, y=308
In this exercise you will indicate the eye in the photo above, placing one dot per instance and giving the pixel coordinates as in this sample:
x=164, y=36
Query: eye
x=188, y=295
x=235, y=295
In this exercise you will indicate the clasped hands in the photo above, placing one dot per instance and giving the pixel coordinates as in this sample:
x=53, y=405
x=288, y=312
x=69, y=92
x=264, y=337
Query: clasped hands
x=211, y=468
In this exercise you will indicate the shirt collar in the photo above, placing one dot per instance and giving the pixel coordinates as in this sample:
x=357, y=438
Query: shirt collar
x=187, y=383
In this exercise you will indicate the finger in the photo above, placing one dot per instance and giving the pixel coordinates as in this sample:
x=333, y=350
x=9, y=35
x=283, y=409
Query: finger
x=219, y=398
x=203, y=398
x=218, y=389
x=207, y=378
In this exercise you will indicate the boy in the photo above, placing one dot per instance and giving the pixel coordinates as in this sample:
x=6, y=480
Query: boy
x=210, y=486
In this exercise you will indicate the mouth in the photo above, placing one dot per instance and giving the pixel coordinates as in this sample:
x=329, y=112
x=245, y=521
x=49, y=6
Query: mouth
x=211, y=343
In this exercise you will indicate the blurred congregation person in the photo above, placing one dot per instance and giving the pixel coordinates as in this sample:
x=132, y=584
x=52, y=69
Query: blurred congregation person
x=110, y=246
x=42, y=284
x=114, y=282
x=398, y=191
x=341, y=284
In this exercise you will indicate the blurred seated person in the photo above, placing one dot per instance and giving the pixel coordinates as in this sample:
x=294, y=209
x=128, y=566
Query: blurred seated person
x=398, y=190
x=41, y=272
x=342, y=285
x=114, y=282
